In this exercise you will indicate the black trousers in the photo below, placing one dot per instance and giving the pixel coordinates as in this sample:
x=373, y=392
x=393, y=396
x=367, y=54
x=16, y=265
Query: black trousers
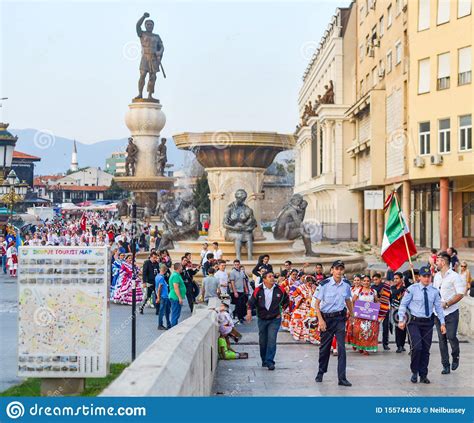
x=240, y=306
x=400, y=337
x=148, y=294
x=385, y=329
x=451, y=321
x=421, y=335
x=335, y=326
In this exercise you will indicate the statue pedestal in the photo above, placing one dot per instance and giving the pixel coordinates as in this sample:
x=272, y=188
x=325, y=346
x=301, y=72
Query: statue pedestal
x=145, y=120
x=223, y=182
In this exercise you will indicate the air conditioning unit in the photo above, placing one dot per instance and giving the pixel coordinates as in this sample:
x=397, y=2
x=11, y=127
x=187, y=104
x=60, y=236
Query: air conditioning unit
x=437, y=159
x=371, y=52
x=419, y=161
x=381, y=72
x=376, y=42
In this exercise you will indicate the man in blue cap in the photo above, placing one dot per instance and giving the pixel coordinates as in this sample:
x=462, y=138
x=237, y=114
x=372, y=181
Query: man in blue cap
x=333, y=305
x=420, y=299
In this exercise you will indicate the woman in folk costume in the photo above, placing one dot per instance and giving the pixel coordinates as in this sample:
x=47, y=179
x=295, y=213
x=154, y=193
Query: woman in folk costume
x=116, y=266
x=365, y=333
x=123, y=293
x=12, y=259
x=289, y=285
x=302, y=326
x=356, y=285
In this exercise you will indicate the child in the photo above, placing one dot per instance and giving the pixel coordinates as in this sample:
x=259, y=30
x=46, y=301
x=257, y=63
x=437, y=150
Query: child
x=226, y=352
x=226, y=325
x=12, y=258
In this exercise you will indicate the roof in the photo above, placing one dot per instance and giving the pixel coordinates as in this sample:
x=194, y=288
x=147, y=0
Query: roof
x=99, y=188
x=24, y=156
x=42, y=180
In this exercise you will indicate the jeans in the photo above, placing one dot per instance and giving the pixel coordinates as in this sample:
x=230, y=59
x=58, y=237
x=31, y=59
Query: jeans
x=4, y=264
x=267, y=339
x=175, y=312
x=240, y=306
x=148, y=294
x=165, y=308
x=451, y=320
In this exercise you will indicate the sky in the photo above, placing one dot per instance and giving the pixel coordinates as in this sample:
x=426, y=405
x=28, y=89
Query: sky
x=71, y=68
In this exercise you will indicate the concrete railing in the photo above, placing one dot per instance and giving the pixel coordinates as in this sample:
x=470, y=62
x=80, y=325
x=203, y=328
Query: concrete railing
x=181, y=362
x=466, y=317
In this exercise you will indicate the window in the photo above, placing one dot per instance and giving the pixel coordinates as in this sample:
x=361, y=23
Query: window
x=389, y=16
x=424, y=76
x=443, y=71
x=398, y=52
x=381, y=26
x=361, y=85
x=464, y=66
x=381, y=71
x=465, y=132
x=398, y=7
x=389, y=61
x=361, y=14
x=443, y=11
x=424, y=138
x=374, y=76
x=423, y=14
x=444, y=135
x=464, y=8
x=361, y=52
x=467, y=214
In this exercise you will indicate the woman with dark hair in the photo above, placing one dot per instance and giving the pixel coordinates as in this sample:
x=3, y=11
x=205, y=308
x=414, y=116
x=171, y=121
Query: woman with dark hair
x=262, y=263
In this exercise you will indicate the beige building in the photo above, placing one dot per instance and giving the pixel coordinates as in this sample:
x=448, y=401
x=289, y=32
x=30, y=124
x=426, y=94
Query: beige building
x=323, y=169
x=379, y=114
x=440, y=123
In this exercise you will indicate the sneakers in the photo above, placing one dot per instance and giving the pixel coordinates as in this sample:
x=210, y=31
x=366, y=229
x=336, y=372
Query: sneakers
x=424, y=379
x=271, y=366
x=446, y=370
x=161, y=327
x=414, y=378
x=344, y=382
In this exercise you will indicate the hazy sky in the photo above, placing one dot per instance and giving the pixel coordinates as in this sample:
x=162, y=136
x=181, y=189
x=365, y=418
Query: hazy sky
x=72, y=67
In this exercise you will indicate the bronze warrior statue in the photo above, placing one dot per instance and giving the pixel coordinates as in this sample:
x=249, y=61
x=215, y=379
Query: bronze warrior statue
x=131, y=160
x=239, y=223
x=161, y=158
x=152, y=53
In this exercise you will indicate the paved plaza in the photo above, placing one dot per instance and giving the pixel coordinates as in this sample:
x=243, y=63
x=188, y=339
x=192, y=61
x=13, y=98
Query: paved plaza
x=384, y=373
x=120, y=331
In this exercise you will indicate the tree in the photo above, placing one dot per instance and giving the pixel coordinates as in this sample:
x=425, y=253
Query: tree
x=201, y=194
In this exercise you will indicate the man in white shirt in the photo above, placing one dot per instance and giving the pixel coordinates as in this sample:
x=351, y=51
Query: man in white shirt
x=216, y=251
x=223, y=278
x=451, y=288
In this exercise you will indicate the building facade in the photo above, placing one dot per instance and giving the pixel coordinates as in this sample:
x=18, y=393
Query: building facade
x=440, y=124
x=322, y=167
x=91, y=176
x=115, y=164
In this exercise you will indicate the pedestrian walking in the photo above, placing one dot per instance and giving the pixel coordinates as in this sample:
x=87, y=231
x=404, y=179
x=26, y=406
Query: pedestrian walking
x=163, y=303
x=420, y=300
x=177, y=293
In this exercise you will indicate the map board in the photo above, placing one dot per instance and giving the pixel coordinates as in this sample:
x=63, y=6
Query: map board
x=63, y=329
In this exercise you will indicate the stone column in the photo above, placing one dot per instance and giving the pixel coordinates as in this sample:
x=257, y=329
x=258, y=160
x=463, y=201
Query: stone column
x=360, y=216
x=444, y=212
x=366, y=223
x=373, y=227
x=145, y=122
x=223, y=182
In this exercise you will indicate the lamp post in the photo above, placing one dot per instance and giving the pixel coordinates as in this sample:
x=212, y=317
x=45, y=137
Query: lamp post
x=7, y=145
x=12, y=191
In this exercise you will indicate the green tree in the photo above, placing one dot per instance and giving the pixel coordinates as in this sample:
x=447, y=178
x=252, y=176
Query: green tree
x=114, y=192
x=201, y=194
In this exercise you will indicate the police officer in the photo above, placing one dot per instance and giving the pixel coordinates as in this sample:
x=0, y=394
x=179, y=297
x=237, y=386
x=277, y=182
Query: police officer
x=332, y=298
x=420, y=299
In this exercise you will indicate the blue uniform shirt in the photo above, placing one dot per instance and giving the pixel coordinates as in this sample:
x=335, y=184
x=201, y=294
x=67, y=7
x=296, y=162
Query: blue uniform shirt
x=414, y=301
x=333, y=295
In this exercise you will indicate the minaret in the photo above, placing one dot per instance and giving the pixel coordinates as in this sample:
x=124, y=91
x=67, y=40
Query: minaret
x=74, y=165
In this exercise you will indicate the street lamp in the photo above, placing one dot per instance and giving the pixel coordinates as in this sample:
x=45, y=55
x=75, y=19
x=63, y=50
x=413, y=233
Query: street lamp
x=12, y=191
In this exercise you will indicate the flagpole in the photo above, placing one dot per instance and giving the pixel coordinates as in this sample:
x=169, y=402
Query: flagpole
x=404, y=234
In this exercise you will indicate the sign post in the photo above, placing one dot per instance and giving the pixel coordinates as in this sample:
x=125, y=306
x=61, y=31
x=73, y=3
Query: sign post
x=134, y=282
x=63, y=328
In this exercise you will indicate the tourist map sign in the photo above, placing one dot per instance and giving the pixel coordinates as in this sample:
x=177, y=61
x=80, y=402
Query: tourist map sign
x=63, y=312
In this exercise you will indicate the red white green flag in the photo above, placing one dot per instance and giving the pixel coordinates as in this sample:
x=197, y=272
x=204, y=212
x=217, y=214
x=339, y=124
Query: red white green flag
x=397, y=238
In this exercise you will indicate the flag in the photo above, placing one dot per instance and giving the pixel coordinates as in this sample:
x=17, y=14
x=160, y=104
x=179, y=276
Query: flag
x=83, y=221
x=396, y=238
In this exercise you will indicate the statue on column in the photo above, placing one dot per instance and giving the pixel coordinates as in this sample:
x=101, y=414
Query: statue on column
x=240, y=223
x=181, y=223
x=152, y=53
x=131, y=160
x=289, y=223
x=161, y=158
x=122, y=208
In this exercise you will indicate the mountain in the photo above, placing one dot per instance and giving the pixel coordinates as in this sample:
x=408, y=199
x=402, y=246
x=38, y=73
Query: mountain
x=55, y=151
